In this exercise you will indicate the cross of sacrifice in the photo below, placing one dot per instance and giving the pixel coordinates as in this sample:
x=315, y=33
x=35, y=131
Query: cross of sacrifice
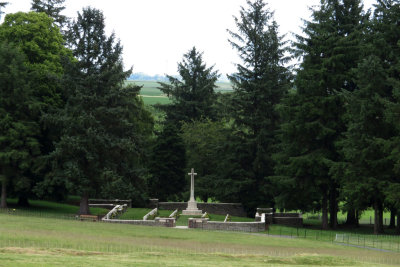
x=192, y=174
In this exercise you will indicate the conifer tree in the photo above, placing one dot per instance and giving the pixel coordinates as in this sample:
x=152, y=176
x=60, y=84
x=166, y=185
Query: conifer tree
x=53, y=9
x=330, y=48
x=259, y=84
x=371, y=142
x=193, y=93
x=42, y=44
x=104, y=124
x=387, y=34
x=167, y=165
x=19, y=144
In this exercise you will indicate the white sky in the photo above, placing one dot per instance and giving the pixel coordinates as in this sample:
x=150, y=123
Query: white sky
x=156, y=33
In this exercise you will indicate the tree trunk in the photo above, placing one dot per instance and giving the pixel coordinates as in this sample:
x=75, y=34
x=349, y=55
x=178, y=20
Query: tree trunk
x=393, y=212
x=351, y=217
x=3, y=204
x=333, y=207
x=378, y=218
x=398, y=224
x=324, y=212
x=23, y=201
x=84, y=205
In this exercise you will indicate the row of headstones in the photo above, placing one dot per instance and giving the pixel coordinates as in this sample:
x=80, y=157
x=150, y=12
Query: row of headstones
x=152, y=214
x=117, y=211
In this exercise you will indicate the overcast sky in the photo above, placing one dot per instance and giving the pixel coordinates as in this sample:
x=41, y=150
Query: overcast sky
x=156, y=33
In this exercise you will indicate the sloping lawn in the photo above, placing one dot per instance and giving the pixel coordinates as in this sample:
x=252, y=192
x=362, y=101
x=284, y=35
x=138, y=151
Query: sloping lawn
x=44, y=208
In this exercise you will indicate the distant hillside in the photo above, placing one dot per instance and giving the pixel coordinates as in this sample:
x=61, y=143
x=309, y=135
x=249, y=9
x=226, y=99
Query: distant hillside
x=140, y=76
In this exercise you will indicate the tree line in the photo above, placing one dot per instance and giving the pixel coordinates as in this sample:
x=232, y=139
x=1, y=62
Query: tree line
x=320, y=136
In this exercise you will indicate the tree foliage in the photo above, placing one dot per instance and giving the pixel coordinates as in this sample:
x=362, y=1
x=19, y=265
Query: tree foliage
x=167, y=165
x=104, y=125
x=2, y=5
x=314, y=114
x=259, y=84
x=193, y=93
x=42, y=44
x=19, y=143
x=53, y=9
x=205, y=142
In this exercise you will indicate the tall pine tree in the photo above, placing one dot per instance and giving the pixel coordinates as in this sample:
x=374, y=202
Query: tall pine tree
x=104, y=124
x=53, y=9
x=259, y=84
x=372, y=139
x=42, y=44
x=193, y=92
x=330, y=49
x=19, y=144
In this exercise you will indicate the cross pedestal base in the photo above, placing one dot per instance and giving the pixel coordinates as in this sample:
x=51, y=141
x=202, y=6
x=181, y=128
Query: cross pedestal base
x=192, y=209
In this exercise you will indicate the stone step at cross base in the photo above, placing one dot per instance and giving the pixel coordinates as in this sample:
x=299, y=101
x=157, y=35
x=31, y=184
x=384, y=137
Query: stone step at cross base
x=192, y=209
x=192, y=212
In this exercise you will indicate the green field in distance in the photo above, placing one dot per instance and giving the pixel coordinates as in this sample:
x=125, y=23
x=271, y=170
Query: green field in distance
x=152, y=95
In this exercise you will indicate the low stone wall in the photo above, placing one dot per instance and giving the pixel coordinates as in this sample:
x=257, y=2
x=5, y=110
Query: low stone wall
x=227, y=226
x=234, y=209
x=282, y=214
x=111, y=201
x=172, y=205
x=288, y=221
x=163, y=222
x=104, y=206
x=265, y=210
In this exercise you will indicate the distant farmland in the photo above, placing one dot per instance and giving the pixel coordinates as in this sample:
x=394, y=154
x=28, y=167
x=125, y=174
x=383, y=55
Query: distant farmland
x=151, y=95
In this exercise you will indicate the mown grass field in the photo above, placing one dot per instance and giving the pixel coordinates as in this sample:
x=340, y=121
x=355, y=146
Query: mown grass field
x=152, y=95
x=35, y=241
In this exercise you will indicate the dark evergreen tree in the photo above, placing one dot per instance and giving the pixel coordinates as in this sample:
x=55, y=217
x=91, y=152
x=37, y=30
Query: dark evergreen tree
x=330, y=48
x=53, y=9
x=193, y=92
x=41, y=42
x=205, y=143
x=192, y=97
x=167, y=165
x=387, y=34
x=368, y=169
x=379, y=77
x=259, y=85
x=19, y=144
x=104, y=124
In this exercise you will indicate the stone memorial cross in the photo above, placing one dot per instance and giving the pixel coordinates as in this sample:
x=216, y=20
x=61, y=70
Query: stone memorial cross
x=192, y=174
x=192, y=204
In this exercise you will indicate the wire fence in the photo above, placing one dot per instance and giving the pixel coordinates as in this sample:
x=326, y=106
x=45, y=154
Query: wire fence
x=376, y=242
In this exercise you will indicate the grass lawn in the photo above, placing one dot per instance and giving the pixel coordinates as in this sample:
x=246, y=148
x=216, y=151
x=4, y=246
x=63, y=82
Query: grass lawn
x=49, y=209
x=33, y=241
x=134, y=214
